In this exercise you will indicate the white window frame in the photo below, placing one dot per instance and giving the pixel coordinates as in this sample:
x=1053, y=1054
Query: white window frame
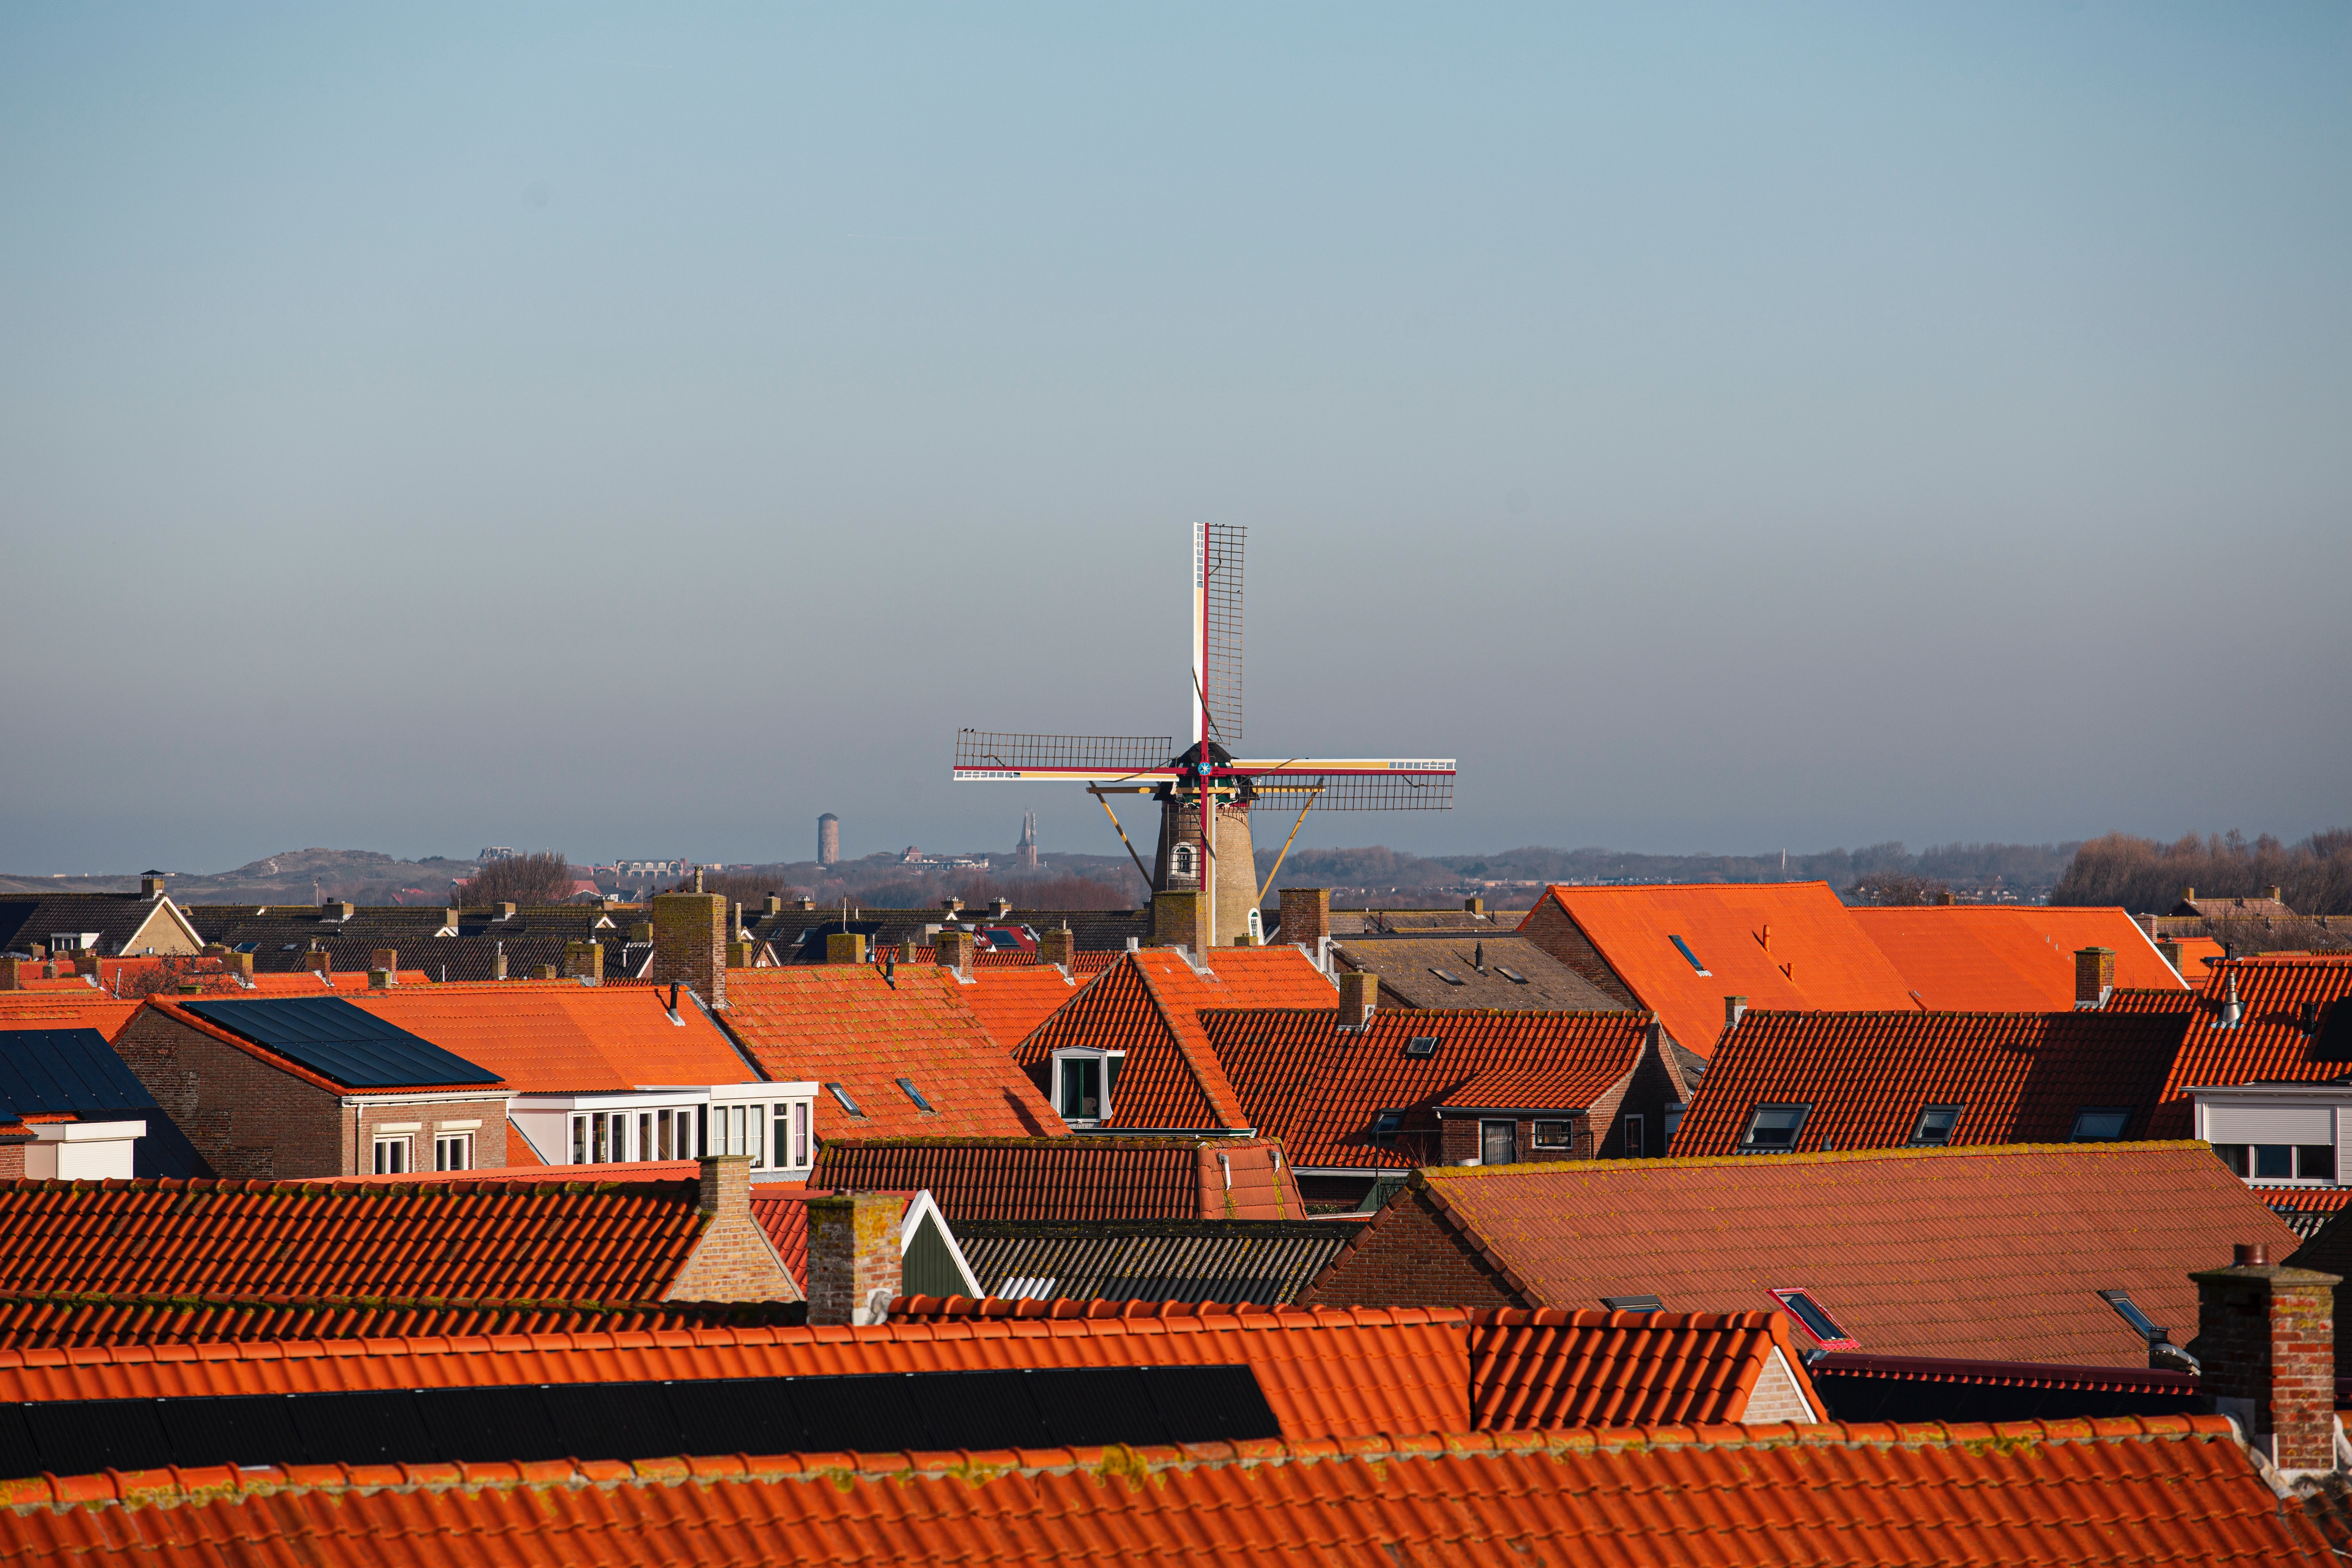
x=395, y=1149
x=446, y=1144
x=1105, y=1072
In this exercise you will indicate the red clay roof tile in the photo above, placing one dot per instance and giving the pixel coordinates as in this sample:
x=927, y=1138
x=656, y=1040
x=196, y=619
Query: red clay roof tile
x=2271, y=1043
x=2159, y=1489
x=2017, y=1078
x=1093, y=1177
x=845, y=1023
x=565, y=1039
x=2010, y=958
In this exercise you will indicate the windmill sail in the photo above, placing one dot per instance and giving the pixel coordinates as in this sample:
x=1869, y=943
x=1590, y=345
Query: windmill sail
x=1402, y=784
x=1217, y=630
x=988, y=754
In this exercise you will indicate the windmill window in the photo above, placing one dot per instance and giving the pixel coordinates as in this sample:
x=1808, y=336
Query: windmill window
x=1816, y=1320
x=1446, y=974
x=1513, y=976
x=1685, y=949
x=916, y=1095
x=1933, y=1129
x=1421, y=1046
x=2122, y=1302
x=1773, y=1129
x=1180, y=863
x=848, y=1104
x=2100, y=1124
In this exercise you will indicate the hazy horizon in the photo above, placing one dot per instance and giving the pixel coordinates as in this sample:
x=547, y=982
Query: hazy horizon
x=636, y=433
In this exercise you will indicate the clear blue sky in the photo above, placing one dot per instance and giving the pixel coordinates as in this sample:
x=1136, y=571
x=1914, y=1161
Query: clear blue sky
x=637, y=430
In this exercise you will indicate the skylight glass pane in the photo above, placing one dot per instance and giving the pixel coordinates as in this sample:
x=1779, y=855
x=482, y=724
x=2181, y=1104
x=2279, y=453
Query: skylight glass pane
x=1686, y=953
x=915, y=1094
x=842, y=1095
x=2125, y=1307
x=1775, y=1126
x=1936, y=1124
x=2101, y=1125
x=1421, y=1046
x=1808, y=1311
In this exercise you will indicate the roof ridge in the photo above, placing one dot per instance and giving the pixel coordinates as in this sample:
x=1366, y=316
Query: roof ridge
x=1776, y=1161
x=200, y=1485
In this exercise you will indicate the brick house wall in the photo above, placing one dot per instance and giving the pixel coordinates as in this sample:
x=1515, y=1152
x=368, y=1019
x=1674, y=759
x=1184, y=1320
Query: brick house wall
x=1653, y=1087
x=12, y=1158
x=732, y=1261
x=254, y=1122
x=1549, y=927
x=1409, y=1257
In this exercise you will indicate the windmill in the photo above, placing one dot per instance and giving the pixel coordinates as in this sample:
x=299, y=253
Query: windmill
x=1207, y=794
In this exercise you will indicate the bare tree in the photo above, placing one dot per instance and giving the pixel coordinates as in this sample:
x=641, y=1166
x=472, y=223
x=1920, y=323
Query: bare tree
x=2314, y=878
x=543, y=879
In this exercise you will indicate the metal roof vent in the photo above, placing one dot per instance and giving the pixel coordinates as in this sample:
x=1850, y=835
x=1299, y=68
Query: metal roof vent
x=2231, y=1011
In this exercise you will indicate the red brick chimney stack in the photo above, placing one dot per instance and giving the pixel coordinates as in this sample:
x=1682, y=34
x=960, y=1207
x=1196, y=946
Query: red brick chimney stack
x=2266, y=1337
x=2094, y=975
x=1059, y=948
x=855, y=1270
x=953, y=949
x=1305, y=916
x=1359, y=994
x=690, y=943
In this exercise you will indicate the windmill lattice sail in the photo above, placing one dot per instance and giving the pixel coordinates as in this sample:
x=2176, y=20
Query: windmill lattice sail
x=988, y=754
x=1217, y=577
x=1354, y=792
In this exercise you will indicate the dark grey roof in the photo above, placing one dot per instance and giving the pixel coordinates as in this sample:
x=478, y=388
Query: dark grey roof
x=281, y=936
x=114, y=917
x=1405, y=923
x=1093, y=931
x=1519, y=977
x=348, y=1044
x=1264, y=1261
x=57, y=1072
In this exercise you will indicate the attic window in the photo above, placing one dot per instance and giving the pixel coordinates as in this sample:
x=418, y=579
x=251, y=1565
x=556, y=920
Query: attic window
x=1446, y=974
x=1816, y=1320
x=1421, y=1046
x=1513, y=976
x=848, y=1104
x=2122, y=1302
x=917, y=1096
x=1934, y=1130
x=1772, y=1128
x=1632, y=1303
x=1384, y=1129
x=1686, y=953
x=2100, y=1124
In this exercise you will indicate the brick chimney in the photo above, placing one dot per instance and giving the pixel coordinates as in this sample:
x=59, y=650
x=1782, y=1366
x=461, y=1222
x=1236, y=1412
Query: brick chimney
x=318, y=961
x=690, y=944
x=1306, y=917
x=2274, y=894
x=384, y=958
x=1734, y=1008
x=1943, y=898
x=151, y=884
x=1359, y=995
x=583, y=960
x=1002, y=909
x=952, y=948
x=1180, y=918
x=379, y=978
x=2170, y=951
x=12, y=972
x=498, y=963
x=1059, y=948
x=1473, y=905
x=775, y=905
x=2094, y=975
x=805, y=903
x=2266, y=1337
x=238, y=963
x=732, y=1261
x=335, y=909
x=849, y=946
x=546, y=972
x=738, y=955
x=952, y=906
x=855, y=1270
x=2187, y=895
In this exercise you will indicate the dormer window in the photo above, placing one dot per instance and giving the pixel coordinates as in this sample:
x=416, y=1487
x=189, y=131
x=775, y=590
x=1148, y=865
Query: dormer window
x=1084, y=1083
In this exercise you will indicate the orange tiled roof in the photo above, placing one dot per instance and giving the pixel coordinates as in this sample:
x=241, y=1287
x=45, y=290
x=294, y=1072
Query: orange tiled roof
x=1789, y=946
x=2019, y=1077
x=566, y=1038
x=2149, y=1490
x=1012, y=1000
x=1074, y=1179
x=344, y=982
x=2271, y=1042
x=1320, y=1090
x=2010, y=958
x=1991, y=1254
x=1149, y=1004
x=1325, y=1373
x=78, y=1321
x=1550, y=1368
x=84, y=1009
x=2197, y=955
x=479, y=1241
x=845, y=1023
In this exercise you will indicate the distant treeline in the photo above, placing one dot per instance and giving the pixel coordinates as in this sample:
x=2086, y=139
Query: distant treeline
x=2314, y=877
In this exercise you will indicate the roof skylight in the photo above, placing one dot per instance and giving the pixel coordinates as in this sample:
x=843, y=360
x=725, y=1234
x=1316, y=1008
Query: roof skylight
x=2130, y=1313
x=1421, y=1046
x=1446, y=974
x=917, y=1096
x=1632, y=1303
x=848, y=1104
x=1513, y=976
x=1816, y=1320
x=1685, y=950
x=2100, y=1124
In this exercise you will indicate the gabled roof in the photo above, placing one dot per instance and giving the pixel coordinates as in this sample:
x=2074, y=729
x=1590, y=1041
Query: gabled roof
x=2019, y=1077
x=2271, y=1043
x=1073, y=1179
x=498, y=1242
x=1254, y=1261
x=1549, y=1370
x=2158, y=1490
x=1321, y=1089
x=83, y=1009
x=2197, y=953
x=1788, y=946
x=1979, y=1254
x=1409, y=969
x=2252, y=906
x=1091, y=930
x=1148, y=1004
x=112, y=922
x=2007, y=957
x=566, y=1038
x=845, y=1023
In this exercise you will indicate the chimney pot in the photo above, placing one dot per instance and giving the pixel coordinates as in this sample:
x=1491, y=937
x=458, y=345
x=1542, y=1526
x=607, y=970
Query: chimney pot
x=1360, y=993
x=2251, y=1255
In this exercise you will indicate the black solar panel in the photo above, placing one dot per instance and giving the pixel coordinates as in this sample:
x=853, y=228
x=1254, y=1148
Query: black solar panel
x=608, y=1421
x=489, y=1425
x=19, y=1457
x=373, y=1427
x=83, y=1437
x=1086, y=1407
x=873, y=1413
x=1209, y=1404
x=747, y=1416
x=980, y=1410
x=65, y=1072
x=348, y=1044
x=234, y=1429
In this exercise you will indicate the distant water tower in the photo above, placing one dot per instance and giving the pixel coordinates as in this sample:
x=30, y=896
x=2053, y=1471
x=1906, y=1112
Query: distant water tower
x=828, y=840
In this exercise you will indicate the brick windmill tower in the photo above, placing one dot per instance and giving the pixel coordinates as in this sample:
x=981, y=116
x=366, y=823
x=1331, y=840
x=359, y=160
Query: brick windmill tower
x=1207, y=794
